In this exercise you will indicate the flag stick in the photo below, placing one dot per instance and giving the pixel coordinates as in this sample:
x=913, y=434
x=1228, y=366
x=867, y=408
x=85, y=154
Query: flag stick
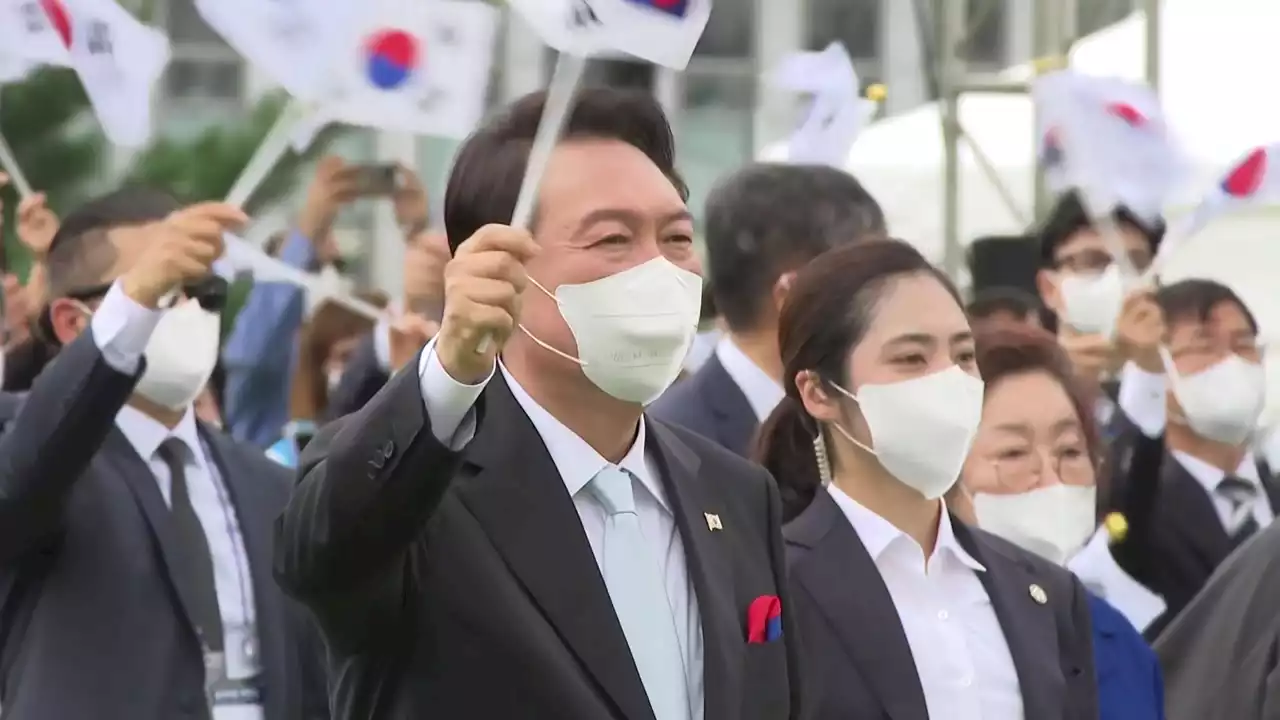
x=10, y=164
x=273, y=147
x=243, y=255
x=564, y=85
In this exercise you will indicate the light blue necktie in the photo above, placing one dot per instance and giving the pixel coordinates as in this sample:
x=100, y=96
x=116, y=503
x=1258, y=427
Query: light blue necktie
x=635, y=583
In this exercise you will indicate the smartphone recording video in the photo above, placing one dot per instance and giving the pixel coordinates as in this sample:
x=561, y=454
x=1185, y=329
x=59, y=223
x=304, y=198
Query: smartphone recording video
x=376, y=179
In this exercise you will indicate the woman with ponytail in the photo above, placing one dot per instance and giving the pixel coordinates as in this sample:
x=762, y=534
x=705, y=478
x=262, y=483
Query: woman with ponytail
x=904, y=611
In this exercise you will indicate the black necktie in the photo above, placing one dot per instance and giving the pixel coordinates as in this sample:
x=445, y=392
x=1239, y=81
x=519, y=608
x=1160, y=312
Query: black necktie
x=1242, y=495
x=192, y=549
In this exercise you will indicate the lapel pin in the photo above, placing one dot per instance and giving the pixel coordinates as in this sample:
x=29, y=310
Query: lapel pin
x=1038, y=594
x=713, y=521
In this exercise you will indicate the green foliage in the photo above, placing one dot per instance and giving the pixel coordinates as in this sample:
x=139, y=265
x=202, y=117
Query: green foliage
x=55, y=142
x=206, y=167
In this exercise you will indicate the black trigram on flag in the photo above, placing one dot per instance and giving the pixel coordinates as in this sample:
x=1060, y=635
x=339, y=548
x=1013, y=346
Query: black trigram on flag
x=33, y=17
x=98, y=38
x=581, y=15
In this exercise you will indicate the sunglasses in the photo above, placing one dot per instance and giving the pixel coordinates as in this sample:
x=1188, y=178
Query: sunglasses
x=210, y=291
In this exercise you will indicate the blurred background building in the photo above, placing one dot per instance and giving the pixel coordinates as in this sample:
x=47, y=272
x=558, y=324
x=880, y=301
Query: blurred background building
x=722, y=111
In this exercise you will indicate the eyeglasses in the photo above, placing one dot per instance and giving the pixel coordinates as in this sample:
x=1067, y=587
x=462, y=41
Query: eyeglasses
x=1095, y=261
x=1024, y=469
x=210, y=291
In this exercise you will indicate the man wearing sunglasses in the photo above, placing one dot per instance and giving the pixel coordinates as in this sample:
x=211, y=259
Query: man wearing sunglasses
x=134, y=539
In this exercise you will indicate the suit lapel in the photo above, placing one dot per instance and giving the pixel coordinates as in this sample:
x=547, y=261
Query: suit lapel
x=736, y=421
x=255, y=512
x=519, y=498
x=844, y=581
x=1030, y=629
x=135, y=472
x=1192, y=515
x=710, y=568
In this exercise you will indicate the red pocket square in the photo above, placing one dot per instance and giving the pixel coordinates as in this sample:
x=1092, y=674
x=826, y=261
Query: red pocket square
x=764, y=619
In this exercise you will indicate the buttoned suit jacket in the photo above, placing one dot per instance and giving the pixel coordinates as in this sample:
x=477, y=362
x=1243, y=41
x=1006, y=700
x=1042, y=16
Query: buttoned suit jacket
x=460, y=584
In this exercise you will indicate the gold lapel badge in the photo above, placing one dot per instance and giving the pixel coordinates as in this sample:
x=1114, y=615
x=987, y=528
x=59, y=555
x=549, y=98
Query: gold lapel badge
x=713, y=521
x=1038, y=594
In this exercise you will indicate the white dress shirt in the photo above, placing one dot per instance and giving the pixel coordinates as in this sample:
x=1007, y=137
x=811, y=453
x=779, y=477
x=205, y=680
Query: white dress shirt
x=1210, y=477
x=763, y=393
x=961, y=655
x=449, y=405
x=122, y=328
x=1142, y=396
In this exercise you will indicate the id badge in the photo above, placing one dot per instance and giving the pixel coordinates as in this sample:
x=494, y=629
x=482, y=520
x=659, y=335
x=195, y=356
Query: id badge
x=233, y=679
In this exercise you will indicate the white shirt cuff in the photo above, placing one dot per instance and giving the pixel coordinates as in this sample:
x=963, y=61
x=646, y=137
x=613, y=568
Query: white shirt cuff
x=122, y=328
x=1142, y=399
x=382, y=338
x=449, y=403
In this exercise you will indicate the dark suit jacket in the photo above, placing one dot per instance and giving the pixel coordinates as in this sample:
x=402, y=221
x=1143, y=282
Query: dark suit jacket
x=362, y=378
x=92, y=621
x=1176, y=539
x=856, y=656
x=1220, y=655
x=711, y=404
x=461, y=585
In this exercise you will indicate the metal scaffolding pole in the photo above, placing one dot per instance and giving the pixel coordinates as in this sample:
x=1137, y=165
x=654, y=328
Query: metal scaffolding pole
x=1055, y=29
x=1151, y=9
x=950, y=32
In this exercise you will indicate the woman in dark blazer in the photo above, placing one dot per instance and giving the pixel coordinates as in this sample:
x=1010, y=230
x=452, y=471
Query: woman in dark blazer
x=903, y=611
x=1032, y=478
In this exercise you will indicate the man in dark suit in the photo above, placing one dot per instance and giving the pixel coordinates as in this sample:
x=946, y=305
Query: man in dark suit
x=1209, y=496
x=135, y=540
x=1219, y=655
x=512, y=539
x=763, y=223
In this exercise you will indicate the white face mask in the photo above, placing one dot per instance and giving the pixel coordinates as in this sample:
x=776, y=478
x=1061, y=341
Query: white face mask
x=1222, y=402
x=1053, y=522
x=1092, y=303
x=921, y=428
x=633, y=328
x=180, y=355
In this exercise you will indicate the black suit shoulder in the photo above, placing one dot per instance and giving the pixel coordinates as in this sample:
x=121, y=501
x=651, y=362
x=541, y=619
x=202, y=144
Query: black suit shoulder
x=730, y=467
x=683, y=403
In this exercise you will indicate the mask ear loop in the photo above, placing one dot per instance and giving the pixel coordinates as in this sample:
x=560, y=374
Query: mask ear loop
x=840, y=428
x=537, y=340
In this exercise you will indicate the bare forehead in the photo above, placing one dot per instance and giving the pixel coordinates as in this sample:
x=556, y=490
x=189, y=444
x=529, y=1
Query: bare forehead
x=600, y=172
x=1224, y=317
x=916, y=304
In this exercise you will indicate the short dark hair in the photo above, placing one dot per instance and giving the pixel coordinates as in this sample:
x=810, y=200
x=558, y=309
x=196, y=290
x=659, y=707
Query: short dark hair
x=79, y=254
x=828, y=311
x=487, y=172
x=1069, y=217
x=1195, y=299
x=995, y=300
x=767, y=219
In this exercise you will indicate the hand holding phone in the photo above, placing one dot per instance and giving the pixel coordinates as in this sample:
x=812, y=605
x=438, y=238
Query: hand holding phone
x=375, y=179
